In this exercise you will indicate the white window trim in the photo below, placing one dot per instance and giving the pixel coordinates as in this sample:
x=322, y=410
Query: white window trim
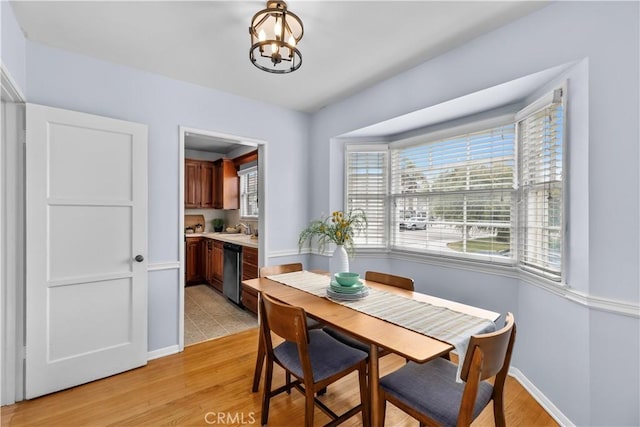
x=241, y=173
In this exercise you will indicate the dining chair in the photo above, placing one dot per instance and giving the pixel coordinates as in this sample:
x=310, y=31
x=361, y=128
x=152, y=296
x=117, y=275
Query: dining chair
x=314, y=358
x=431, y=393
x=374, y=276
x=311, y=323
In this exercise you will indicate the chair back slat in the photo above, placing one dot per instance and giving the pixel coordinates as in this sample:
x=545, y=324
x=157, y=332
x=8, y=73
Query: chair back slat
x=270, y=270
x=390, y=279
x=495, y=348
x=284, y=320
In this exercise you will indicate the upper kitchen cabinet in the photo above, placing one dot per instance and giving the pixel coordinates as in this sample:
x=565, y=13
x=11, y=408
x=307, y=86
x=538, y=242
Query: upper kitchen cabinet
x=207, y=177
x=191, y=183
x=225, y=195
x=199, y=184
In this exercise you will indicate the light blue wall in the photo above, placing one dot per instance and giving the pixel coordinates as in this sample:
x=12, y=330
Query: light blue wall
x=12, y=46
x=563, y=346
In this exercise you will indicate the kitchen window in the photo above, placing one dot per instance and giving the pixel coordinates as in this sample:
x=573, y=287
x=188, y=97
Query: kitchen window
x=490, y=192
x=249, y=192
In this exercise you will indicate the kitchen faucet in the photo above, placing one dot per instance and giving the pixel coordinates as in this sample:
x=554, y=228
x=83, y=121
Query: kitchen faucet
x=247, y=228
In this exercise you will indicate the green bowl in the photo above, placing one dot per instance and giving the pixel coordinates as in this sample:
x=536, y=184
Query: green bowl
x=347, y=279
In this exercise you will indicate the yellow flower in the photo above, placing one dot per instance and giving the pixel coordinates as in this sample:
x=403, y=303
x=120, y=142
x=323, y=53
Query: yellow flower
x=338, y=228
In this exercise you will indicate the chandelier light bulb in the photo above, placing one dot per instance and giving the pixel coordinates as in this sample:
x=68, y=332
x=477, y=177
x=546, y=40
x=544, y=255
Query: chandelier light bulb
x=262, y=36
x=277, y=29
x=274, y=48
x=292, y=41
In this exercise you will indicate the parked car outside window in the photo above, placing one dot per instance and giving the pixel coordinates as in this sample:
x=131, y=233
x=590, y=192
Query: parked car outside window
x=414, y=223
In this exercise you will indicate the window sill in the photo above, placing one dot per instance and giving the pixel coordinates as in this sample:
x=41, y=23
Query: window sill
x=505, y=269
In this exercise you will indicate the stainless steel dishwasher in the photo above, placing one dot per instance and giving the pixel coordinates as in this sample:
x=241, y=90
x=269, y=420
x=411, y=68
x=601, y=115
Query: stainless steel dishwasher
x=232, y=272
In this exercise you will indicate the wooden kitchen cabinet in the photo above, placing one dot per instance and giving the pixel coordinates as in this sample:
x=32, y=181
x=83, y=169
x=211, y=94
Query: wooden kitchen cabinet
x=217, y=264
x=191, y=183
x=250, y=299
x=249, y=263
x=249, y=271
x=195, y=254
x=226, y=182
x=213, y=263
x=207, y=184
x=208, y=261
x=199, y=183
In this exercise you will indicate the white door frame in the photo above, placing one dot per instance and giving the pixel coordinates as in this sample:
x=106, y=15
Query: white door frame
x=12, y=238
x=262, y=204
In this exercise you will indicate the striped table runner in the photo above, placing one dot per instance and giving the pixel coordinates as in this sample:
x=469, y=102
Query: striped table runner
x=437, y=322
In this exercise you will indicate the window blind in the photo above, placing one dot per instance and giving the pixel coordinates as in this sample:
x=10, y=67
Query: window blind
x=541, y=190
x=463, y=187
x=249, y=192
x=366, y=189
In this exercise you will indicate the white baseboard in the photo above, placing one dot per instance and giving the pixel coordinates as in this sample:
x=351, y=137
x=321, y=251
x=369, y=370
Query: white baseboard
x=161, y=352
x=547, y=404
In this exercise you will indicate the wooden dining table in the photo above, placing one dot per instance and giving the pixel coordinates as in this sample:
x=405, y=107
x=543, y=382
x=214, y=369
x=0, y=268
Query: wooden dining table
x=372, y=330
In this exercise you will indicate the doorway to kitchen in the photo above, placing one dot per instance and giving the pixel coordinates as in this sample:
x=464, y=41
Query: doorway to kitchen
x=208, y=315
x=213, y=212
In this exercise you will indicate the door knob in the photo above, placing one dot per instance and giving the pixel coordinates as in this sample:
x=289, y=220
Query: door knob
x=139, y=258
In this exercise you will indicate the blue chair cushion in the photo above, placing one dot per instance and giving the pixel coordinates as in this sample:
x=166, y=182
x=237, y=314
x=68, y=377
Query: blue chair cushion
x=431, y=388
x=328, y=356
x=348, y=340
x=312, y=323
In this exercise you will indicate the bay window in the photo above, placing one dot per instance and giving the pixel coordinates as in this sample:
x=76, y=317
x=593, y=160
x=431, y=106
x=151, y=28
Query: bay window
x=489, y=192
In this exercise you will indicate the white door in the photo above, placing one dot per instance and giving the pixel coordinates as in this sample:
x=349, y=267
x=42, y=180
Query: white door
x=86, y=209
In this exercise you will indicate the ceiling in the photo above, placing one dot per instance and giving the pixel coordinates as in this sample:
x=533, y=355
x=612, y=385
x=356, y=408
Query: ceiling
x=200, y=142
x=347, y=45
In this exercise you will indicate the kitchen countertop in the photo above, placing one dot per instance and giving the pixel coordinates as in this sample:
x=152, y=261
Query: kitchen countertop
x=237, y=238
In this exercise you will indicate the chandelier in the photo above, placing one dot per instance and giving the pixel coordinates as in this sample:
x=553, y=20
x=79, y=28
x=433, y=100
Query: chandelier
x=275, y=33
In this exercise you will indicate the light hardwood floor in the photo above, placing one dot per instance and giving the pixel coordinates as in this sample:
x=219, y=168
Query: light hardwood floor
x=210, y=384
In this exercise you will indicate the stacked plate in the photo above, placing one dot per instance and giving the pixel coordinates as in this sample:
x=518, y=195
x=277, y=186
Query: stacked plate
x=347, y=293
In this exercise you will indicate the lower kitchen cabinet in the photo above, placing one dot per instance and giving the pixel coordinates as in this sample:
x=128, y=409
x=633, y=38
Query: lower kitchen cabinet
x=217, y=264
x=208, y=261
x=249, y=271
x=250, y=299
x=195, y=255
x=249, y=263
